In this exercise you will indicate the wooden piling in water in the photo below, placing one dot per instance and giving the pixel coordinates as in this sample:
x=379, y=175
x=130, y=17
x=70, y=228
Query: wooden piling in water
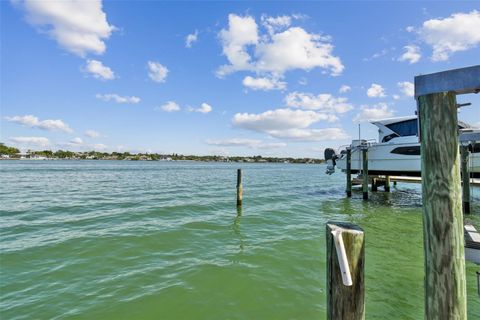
x=349, y=172
x=374, y=185
x=464, y=153
x=239, y=188
x=345, y=301
x=445, y=284
x=365, y=173
x=387, y=184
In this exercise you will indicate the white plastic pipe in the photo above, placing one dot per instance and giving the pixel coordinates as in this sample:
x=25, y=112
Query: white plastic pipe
x=342, y=257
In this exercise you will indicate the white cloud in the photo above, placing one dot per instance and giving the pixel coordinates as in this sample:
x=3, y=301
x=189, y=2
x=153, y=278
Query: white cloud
x=412, y=54
x=344, y=89
x=118, y=99
x=92, y=134
x=204, y=108
x=33, y=122
x=191, y=38
x=410, y=29
x=278, y=119
x=264, y=83
x=376, y=112
x=324, y=102
x=273, y=24
x=459, y=32
x=170, y=106
x=242, y=31
x=396, y=97
x=78, y=26
x=407, y=88
x=249, y=143
x=76, y=141
x=376, y=91
x=99, y=71
x=297, y=49
x=156, y=71
x=274, y=53
x=31, y=141
x=311, y=134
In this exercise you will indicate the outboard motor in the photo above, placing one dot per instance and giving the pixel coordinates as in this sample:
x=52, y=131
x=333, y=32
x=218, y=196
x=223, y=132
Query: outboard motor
x=330, y=157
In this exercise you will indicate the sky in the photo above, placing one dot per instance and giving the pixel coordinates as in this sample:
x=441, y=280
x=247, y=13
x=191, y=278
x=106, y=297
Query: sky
x=224, y=78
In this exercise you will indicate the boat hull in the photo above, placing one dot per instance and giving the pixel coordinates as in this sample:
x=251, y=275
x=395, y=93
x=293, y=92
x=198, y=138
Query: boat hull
x=396, y=159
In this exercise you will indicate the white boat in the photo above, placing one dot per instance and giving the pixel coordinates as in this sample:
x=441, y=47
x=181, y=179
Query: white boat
x=397, y=152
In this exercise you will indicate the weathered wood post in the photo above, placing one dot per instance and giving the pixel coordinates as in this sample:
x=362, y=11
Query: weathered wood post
x=239, y=188
x=365, y=172
x=387, y=184
x=445, y=284
x=349, y=172
x=465, y=178
x=345, y=291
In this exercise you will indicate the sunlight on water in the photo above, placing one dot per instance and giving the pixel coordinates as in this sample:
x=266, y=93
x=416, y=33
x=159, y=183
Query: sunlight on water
x=157, y=240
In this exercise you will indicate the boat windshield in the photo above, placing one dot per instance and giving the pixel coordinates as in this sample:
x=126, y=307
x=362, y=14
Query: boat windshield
x=404, y=128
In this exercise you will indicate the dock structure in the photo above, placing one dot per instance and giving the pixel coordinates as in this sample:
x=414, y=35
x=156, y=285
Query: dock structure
x=445, y=280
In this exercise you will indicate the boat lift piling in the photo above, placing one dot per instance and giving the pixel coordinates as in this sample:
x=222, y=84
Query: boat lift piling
x=365, y=172
x=445, y=279
x=349, y=172
x=464, y=153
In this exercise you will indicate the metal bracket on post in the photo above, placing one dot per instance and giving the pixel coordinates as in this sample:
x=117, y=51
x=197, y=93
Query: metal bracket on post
x=342, y=257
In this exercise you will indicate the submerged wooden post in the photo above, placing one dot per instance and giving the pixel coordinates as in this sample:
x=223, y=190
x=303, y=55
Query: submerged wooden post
x=365, y=173
x=239, y=188
x=349, y=172
x=445, y=285
x=465, y=179
x=345, y=302
x=387, y=184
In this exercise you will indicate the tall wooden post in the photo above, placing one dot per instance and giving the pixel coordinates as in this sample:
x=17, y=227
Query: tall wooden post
x=365, y=173
x=387, y=184
x=239, y=188
x=445, y=285
x=345, y=301
x=465, y=178
x=349, y=172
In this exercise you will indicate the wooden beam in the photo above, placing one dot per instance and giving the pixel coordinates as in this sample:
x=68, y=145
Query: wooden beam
x=459, y=81
x=345, y=302
x=445, y=284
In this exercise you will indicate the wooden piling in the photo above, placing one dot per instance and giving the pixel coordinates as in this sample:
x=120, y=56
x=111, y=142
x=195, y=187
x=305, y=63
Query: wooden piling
x=445, y=284
x=374, y=185
x=349, y=172
x=239, y=188
x=464, y=153
x=365, y=173
x=345, y=302
x=387, y=184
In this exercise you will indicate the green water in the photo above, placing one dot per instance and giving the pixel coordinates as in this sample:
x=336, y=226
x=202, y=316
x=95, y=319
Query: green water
x=162, y=240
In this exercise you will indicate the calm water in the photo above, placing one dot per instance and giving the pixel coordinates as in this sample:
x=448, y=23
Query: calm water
x=158, y=240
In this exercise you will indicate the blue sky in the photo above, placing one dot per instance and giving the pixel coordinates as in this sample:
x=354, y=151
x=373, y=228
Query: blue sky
x=243, y=78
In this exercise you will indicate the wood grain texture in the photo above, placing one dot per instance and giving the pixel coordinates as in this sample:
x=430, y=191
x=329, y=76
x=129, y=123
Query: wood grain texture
x=346, y=302
x=445, y=286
